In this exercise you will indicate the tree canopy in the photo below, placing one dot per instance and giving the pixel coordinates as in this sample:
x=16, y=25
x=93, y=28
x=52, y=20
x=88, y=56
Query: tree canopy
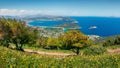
x=17, y=32
x=75, y=39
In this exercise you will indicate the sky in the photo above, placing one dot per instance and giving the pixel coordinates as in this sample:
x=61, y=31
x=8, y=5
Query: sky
x=61, y=7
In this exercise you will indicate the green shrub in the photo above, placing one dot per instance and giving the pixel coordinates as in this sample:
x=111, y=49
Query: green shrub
x=94, y=50
x=108, y=43
x=53, y=43
x=117, y=40
x=112, y=41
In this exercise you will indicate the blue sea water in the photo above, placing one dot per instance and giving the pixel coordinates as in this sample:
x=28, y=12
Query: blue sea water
x=45, y=23
x=102, y=26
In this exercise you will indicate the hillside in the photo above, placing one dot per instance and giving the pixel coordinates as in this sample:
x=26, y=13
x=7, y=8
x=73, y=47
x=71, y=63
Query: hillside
x=16, y=59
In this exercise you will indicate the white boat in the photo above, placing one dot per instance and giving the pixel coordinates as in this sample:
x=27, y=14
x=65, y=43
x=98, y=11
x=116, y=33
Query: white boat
x=93, y=27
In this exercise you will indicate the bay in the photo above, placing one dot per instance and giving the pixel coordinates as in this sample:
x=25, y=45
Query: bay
x=102, y=26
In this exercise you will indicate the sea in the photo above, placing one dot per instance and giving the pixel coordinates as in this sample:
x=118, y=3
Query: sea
x=101, y=26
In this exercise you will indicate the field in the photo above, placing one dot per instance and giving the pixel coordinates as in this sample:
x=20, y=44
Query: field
x=16, y=59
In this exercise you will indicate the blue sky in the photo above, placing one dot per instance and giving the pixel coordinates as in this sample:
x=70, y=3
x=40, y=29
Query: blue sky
x=61, y=7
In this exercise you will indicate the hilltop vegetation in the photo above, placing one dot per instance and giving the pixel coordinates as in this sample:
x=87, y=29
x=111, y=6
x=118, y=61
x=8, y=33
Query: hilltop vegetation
x=88, y=53
x=18, y=33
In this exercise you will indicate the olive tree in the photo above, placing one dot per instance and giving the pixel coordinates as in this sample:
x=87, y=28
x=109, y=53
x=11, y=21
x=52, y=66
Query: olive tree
x=17, y=32
x=74, y=39
x=5, y=32
x=22, y=34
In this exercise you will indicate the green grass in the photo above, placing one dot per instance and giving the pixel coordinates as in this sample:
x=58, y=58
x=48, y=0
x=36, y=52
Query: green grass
x=113, y=47
x=16, y=59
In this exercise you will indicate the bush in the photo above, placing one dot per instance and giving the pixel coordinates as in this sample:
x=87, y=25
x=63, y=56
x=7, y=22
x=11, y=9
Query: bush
x=112, y=41
x=117, y=40
x=53, y=43
x=94, y=50
x=108, y=43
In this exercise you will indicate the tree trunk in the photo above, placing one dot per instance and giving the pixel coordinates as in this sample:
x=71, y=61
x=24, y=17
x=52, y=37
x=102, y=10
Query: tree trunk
x=21, y=47
x=16, y=46
x=77, y=51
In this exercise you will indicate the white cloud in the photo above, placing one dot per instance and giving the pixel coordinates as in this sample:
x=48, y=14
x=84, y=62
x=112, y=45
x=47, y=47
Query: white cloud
x=16, y=12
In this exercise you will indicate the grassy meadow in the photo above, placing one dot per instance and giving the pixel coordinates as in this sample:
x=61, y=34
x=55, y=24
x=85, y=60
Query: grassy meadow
x=16, y=59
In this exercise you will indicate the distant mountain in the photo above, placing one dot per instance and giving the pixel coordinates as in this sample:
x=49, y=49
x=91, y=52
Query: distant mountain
x=41, y=17
x=7, y=16
x=47, y=18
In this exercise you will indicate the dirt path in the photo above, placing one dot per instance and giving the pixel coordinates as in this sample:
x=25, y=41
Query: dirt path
x=48, y=53
x=111, y=51
x=116, y=51
x=45, y=53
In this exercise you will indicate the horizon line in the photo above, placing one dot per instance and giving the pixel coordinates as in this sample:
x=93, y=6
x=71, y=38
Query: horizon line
x=62, y=15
